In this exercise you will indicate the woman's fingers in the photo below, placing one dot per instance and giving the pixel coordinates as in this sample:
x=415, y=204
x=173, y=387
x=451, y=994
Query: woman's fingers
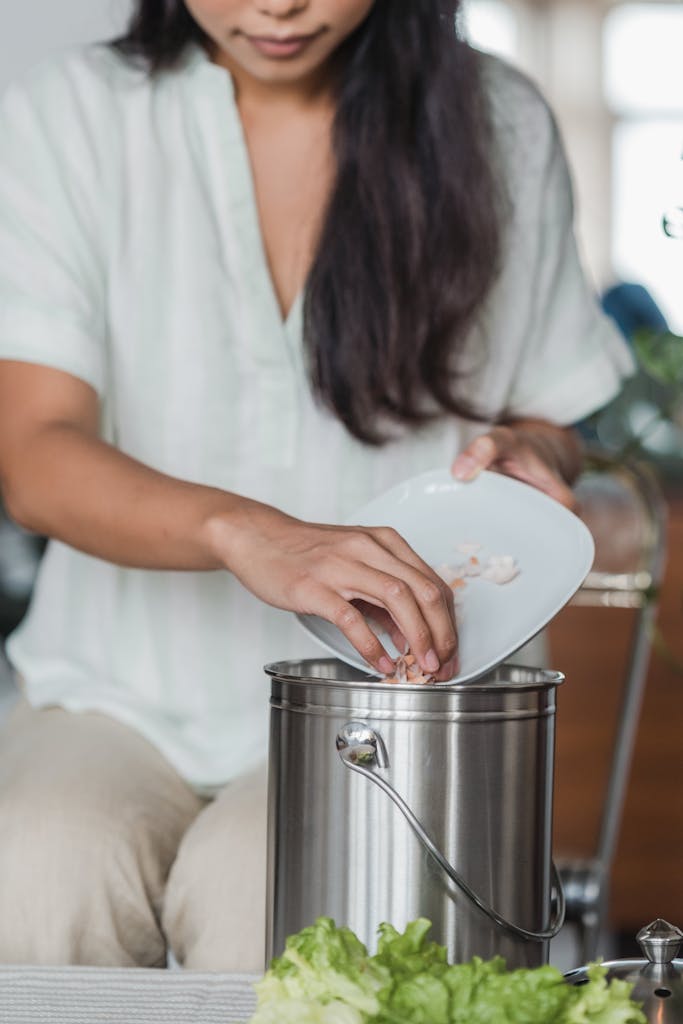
x=534, y=471
x=350, y=619
x=394, y=543
x=398, y=558
x=324, y=601
x=446, y=633
x=514, y=453
x=320, y=570
x=482, y=453
x=383, y=620
x=416, y=604
x=419, y=609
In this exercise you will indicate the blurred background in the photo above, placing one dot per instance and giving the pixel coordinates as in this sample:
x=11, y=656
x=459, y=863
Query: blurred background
x=613, y=73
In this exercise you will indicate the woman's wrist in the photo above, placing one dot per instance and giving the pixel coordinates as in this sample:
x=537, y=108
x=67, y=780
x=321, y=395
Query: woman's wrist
x=231, y=526
x=219, y=529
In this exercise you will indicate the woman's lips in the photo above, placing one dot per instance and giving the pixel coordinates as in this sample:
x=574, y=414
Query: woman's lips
x=282, y=49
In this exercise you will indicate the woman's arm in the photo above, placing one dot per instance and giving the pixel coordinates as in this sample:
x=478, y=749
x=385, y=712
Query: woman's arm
x=60, y=479
x=538, y=452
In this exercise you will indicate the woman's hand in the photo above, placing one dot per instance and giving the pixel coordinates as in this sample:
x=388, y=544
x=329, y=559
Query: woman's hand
x=534, y=451
x=339, y=573
x=61, y=480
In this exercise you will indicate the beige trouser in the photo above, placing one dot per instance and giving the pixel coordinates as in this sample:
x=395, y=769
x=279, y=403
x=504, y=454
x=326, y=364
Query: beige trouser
x=107, y=857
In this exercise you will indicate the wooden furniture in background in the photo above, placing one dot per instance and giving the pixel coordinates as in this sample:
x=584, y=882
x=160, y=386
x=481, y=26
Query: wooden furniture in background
x=591, y=646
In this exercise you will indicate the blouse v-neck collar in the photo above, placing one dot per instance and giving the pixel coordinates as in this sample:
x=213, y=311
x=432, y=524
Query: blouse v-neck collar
x=273, y=345
x=197, y=59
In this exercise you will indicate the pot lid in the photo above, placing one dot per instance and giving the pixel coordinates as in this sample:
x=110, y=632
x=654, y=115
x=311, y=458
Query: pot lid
x=657, y=980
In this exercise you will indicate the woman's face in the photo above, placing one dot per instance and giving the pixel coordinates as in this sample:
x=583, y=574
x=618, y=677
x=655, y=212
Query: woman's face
x=277, y=41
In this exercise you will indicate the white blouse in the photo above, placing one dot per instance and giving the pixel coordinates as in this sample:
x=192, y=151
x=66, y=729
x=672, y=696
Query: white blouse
x=131, y=257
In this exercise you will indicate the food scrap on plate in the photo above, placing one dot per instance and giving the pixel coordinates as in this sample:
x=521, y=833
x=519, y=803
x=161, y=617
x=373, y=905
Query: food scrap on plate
x=498, y=569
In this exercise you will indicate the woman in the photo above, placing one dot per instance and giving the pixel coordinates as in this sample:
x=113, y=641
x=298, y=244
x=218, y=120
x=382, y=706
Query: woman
x=260, y=260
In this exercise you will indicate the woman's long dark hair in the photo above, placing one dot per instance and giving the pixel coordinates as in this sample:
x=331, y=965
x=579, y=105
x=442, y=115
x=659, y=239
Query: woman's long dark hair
x=411, y=238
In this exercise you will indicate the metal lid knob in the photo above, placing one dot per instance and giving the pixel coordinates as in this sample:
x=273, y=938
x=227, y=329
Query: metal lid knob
x=660, y=941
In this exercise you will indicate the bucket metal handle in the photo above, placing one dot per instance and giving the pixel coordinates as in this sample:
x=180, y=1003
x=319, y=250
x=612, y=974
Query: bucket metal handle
x=362, y=749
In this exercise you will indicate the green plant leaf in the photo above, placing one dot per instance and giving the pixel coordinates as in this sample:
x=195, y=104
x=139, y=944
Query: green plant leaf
x=660, y=354
x=325, y=976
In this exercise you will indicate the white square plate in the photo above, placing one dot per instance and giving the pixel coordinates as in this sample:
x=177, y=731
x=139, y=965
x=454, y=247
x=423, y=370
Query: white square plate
x=553, y=550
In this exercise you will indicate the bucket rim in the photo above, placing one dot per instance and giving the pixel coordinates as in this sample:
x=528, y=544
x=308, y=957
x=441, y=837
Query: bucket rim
x=537, y=678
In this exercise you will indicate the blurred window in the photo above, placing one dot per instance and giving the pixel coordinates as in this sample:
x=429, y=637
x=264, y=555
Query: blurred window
x=643, y=61
x=492, y=25
x=643, y=83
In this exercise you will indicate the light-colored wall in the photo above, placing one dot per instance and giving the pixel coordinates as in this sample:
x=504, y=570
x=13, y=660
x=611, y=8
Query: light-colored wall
x=561, y=48
x=32, y=29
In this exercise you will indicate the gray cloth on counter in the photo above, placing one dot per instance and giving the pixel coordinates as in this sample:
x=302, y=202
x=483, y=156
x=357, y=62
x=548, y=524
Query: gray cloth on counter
x=94, y=995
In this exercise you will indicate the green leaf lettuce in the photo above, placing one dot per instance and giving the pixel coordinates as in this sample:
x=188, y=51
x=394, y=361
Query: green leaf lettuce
x=325, y=976
x=323, y=964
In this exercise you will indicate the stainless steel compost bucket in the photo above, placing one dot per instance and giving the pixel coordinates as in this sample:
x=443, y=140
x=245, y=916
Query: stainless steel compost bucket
x=388, y=803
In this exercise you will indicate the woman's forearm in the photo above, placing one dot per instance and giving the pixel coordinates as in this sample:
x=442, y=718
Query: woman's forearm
x=80, y=490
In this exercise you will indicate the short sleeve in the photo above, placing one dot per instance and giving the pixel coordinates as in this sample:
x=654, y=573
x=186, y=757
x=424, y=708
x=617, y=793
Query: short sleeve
x=51, y=309
x=573, y=359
